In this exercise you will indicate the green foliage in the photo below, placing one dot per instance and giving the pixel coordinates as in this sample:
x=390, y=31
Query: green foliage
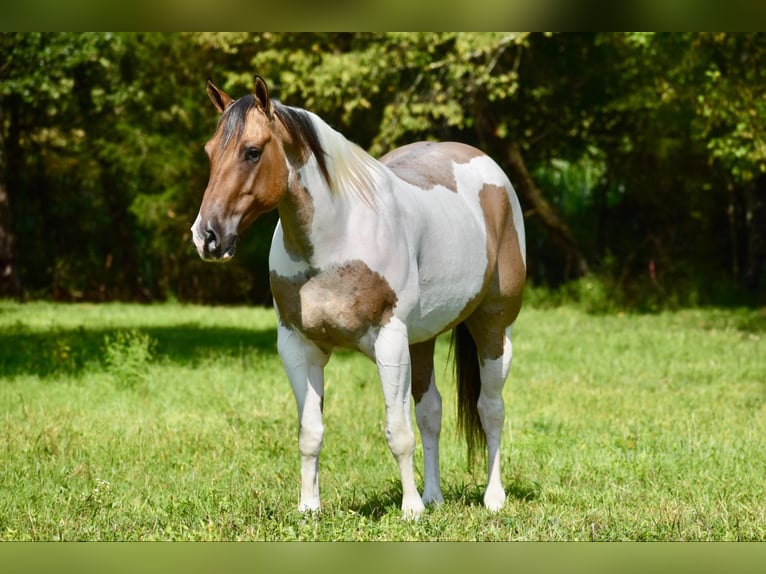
x=392, y=87
x=619, y=426
x=592, y=294
x=641, y=141
x=127, y=356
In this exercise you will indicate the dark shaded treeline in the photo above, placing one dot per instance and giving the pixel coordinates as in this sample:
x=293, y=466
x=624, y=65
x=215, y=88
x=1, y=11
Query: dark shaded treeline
x=639, y=158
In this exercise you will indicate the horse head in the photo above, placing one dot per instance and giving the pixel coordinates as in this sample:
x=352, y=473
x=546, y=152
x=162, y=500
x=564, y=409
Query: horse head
x=248, y=170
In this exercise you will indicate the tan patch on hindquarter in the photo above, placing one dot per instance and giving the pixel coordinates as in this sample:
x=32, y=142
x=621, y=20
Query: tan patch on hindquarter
x=428, y=164
x=506, y=274
x=335, y=307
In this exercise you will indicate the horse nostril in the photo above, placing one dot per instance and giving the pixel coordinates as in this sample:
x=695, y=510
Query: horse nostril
x=210, y=237
x=215, y=242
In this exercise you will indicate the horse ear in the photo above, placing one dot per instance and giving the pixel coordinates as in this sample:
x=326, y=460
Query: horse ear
x=221, y=100
x=261, y=93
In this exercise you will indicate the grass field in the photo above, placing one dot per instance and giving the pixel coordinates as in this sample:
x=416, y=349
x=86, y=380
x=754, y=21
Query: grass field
x=174, y=422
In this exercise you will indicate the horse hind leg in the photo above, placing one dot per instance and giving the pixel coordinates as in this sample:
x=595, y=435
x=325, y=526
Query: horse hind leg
x=428, y=413
x=494, y=353
x=493, y=374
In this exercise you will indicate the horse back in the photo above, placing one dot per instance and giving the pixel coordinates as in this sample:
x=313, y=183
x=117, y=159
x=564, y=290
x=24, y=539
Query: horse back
x=438, y=172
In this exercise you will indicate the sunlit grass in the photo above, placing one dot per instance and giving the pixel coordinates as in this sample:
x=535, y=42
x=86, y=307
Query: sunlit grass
x=619, y=427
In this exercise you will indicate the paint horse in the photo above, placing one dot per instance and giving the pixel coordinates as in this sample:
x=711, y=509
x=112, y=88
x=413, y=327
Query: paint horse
x=380, y=257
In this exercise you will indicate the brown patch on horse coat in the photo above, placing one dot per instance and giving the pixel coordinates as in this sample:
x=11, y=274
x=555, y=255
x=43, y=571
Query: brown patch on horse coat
x=501, y=302
x=423, y=164
x=296, y=208
x=422, y=367
x=334, y=307
x=296, y=211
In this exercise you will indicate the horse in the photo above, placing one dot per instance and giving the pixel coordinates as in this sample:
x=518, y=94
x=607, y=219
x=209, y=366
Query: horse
x=381, y=257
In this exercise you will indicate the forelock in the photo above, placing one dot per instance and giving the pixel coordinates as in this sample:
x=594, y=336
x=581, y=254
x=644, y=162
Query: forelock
x=232, y=121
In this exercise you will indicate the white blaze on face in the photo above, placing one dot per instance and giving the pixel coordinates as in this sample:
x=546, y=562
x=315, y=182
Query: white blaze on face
x=198, y=237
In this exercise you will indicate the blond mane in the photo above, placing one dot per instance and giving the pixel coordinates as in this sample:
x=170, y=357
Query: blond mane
x=353, y=171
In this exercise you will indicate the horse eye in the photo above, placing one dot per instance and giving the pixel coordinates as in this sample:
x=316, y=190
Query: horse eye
x=252, y=154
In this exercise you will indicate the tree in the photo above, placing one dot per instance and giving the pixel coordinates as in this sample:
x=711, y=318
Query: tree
x=683, y=126
x=638, y=157
x=9, y=281
x=389, y=89
x=730, y=115
x=103, y=135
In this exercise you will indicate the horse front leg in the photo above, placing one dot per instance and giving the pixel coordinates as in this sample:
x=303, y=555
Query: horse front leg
x=304, y=364
x=392, y=356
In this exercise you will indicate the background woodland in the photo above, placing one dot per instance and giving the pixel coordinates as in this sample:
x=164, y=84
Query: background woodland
x=640, y=159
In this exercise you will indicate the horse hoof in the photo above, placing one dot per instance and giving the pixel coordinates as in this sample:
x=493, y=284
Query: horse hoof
x=435, y=498
x=412, y=511
x=494, y=501
x=311, y=507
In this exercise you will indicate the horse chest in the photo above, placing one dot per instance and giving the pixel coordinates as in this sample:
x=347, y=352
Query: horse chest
x=334, y=307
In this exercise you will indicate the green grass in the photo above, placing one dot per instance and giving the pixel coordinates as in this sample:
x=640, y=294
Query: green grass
x=174, y=422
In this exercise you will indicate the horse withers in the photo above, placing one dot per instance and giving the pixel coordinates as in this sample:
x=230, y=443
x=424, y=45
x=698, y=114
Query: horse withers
x=380, y=257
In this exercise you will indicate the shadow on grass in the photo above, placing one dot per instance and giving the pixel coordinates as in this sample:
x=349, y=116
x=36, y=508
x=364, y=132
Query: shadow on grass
x=389, y=497
x=378, y=503
x=472, y=494
x=71, y=351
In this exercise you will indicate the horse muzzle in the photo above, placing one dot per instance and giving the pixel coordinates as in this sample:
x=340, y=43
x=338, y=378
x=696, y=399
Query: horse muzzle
x=211, y=242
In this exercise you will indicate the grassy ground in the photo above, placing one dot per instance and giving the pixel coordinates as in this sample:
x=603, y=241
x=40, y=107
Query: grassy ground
x=172, y=422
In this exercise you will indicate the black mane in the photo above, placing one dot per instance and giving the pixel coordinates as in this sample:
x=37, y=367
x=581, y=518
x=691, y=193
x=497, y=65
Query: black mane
x=300, y=127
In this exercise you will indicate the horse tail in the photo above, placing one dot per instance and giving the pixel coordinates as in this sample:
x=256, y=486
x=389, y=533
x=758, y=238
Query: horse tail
x=468, y=389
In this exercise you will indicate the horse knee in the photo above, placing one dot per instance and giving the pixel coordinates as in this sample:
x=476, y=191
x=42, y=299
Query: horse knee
x=310, y=439
x=401, y=440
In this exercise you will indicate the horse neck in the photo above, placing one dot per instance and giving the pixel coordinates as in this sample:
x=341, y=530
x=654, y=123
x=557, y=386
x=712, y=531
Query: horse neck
x=313, y=203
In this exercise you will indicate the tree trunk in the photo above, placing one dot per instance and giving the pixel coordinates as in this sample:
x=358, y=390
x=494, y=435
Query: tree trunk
x=558, y=230
x=9, y=280
x=755, y=250
x=509, y=152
